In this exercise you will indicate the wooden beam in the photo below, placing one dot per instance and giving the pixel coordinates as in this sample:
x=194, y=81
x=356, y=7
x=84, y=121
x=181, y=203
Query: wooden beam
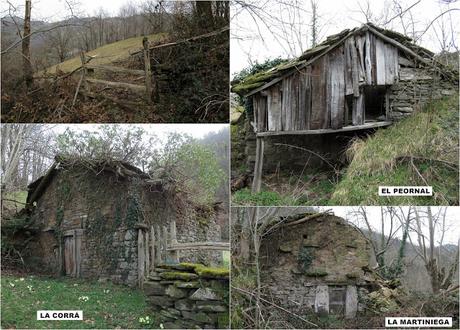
x=135, y=88
x=116, y=69
x=258, y=167
x=329, y=130
x=200, y=246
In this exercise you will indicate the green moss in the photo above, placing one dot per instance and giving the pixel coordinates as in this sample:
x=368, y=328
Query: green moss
x=190, y=265
x=178, y=276
x=212, y=272
x=316, y=272
x=223, y=321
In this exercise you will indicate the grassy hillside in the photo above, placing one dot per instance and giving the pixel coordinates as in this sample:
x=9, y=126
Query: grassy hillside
x=104, y=305
x=106, y=54
x=417, y=151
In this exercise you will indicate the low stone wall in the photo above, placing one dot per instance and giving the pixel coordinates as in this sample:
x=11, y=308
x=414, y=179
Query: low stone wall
x=189, y=296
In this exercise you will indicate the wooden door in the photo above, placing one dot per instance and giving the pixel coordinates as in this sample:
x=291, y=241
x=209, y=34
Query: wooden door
x=69, y=255
x=72, y=253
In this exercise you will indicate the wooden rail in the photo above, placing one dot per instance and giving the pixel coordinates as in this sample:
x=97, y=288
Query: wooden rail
x=135, y=88
x=116, y=69
x=199, y=246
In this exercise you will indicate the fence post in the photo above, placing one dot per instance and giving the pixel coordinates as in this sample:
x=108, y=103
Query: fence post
x=147, y=252
x=148, y=70
x=152, y=249
x=83, y=73
x=174, y=253
x=140, y=258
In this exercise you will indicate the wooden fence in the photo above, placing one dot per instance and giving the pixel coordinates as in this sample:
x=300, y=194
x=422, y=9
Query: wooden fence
x=158, y=244
x=145, y=90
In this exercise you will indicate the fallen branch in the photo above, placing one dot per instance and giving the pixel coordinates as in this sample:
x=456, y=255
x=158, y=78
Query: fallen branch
x=274, y=305
x=313, y=153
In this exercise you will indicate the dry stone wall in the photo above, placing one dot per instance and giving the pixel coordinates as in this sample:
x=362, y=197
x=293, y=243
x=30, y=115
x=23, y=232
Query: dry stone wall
x=187, y=296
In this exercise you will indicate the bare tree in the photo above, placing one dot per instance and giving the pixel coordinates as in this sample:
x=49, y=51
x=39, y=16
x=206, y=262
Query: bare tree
x=441, y=278
x=27, y=65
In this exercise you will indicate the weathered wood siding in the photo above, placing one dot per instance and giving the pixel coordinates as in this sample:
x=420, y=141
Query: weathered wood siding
x=313, y=97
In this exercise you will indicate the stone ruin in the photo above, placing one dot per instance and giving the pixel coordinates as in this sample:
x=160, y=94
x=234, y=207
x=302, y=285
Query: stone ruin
x=320, y=265
x=189, y=296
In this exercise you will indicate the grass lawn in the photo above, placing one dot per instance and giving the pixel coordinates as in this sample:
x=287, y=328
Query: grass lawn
x=104, y=305
x=107, y=54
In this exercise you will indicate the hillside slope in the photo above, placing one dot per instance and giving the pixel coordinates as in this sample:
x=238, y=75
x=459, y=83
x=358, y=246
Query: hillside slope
x=420, y=150
x=117, y=51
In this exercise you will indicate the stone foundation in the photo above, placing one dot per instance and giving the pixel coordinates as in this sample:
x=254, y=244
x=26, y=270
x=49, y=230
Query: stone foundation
x=189, y=296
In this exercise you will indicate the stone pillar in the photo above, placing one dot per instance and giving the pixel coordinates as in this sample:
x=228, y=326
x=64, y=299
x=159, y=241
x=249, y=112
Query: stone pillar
x=351, y=302
x=322, y=300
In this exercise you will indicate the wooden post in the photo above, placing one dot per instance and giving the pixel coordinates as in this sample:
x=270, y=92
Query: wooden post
x=140, y=258
x=158, y=253
x=147, y=257
x=164, y=244
x=258, y=167
x=148, y=70
x=174, y=253
x=83, y=73
x=152, y=249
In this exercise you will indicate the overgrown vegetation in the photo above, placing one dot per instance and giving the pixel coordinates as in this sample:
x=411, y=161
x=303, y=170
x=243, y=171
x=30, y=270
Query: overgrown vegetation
x=421, y=150
x=104, y=305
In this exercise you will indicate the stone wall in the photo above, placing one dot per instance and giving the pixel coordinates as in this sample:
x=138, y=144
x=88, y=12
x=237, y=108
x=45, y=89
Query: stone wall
x=188, y=296
x=415, y=88
x=319, y=265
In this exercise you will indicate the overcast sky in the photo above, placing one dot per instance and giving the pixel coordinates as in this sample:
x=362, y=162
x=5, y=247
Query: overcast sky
x=252, y=40
x=161, y=130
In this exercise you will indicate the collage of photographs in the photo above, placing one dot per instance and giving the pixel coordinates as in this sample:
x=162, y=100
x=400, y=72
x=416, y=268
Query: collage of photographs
x=238, y=164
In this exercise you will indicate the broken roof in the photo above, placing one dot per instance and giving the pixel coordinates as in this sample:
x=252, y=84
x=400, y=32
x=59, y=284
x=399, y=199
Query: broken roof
x=97, y=166
x=264, y=79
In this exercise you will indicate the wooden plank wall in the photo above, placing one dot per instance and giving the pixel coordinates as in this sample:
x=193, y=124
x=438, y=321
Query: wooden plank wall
x=314, y=97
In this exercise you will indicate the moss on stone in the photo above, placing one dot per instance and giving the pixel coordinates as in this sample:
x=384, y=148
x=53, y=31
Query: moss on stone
x=178, y=276
x=212, y=272
x=316, y=273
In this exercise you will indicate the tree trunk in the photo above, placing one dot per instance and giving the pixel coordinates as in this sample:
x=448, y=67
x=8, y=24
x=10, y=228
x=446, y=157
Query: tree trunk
x=27, y=65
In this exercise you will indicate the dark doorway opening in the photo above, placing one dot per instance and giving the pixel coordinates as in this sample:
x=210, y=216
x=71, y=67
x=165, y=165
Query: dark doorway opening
x=374, y=103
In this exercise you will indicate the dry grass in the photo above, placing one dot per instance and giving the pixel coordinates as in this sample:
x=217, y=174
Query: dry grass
x=419, y=150
x=117, y=51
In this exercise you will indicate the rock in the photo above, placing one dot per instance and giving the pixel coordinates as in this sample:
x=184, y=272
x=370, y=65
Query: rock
x=187, y=285
x=163, y=301
x=183, y=305
x=285, y=247
x=211, y=306
x=205, y=294
x=175, y=292
x=153, y=289
x=165, y=313
x=198, y=317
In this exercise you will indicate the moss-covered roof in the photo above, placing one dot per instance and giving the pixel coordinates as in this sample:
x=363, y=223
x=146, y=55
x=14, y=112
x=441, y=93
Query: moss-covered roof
x=259, y=79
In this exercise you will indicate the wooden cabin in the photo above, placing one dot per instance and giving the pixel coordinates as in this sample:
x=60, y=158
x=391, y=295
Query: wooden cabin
x=359, y=79
x=345, y=83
